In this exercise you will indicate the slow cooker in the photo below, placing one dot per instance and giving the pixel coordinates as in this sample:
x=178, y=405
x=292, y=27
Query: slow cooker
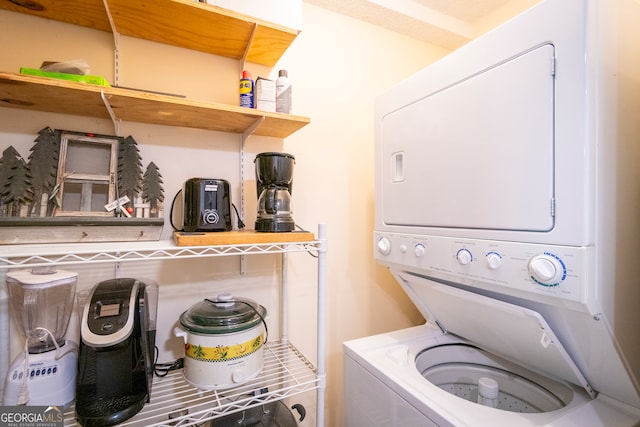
x=223, y=341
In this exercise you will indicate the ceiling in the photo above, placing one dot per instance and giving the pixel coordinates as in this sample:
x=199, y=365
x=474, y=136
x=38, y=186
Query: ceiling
x=446, y=23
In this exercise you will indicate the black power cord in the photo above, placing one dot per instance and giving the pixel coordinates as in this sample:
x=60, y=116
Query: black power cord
x=163, y=368
x=240, y=223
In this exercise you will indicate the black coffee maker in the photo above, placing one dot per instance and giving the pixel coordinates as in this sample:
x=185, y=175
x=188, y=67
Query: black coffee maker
x=115, y=362
x=274, y=175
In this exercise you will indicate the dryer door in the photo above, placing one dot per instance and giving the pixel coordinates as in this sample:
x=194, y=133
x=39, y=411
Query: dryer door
x=516, y=333
x=477, y=154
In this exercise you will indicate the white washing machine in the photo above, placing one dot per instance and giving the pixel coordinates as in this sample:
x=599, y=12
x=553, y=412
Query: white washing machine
x=510, y=368
x=508, y=209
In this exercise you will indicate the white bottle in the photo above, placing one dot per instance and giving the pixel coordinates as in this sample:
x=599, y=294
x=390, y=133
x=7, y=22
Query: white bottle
x=283, y=93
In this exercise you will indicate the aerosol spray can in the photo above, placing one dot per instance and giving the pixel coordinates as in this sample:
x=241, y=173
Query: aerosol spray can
x=246, y=90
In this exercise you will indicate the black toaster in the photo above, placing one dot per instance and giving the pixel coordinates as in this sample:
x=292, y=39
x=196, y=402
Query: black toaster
x=207, y=205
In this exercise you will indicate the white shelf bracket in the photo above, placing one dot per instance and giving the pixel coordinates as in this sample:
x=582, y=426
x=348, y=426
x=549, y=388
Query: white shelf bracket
x=116, y=45
x=116, y=121
x=241, y=171
x=247, y=133
x=243, y=140
x=246, y=51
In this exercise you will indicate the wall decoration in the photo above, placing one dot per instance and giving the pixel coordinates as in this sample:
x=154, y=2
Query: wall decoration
x=16, y=190
x=43, y=166
x=79, y=179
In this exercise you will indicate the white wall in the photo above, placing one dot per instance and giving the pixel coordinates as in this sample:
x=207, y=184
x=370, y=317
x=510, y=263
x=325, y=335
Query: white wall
x=502, y=14
x=353, y=63
x=337, y=65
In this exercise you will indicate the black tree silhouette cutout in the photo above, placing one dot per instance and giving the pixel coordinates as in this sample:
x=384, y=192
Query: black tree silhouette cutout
x=129, y=169
x=15, y=181
x=152, y=191
x=43, y=166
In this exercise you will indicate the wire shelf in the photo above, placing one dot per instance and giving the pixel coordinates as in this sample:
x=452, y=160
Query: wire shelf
x=23, y=255
x=176, y=403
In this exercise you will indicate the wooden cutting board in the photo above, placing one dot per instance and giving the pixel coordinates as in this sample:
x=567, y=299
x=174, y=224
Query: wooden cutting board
x=242, y=237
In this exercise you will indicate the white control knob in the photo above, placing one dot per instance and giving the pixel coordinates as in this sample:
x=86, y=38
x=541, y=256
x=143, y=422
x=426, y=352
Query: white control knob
x=419, y=250
x=464, y=256
x=494, y=260
x=384, y=246
x=547, y=269
x=238, y=376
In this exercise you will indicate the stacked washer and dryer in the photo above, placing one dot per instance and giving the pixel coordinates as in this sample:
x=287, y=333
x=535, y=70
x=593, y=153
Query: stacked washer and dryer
x=508, y=209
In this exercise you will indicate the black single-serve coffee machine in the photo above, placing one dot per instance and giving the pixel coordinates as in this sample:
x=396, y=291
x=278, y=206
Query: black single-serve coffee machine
x=274, y=176
x=115, y=362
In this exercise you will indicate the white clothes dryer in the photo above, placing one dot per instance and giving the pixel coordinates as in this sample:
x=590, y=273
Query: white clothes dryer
x=507, y=208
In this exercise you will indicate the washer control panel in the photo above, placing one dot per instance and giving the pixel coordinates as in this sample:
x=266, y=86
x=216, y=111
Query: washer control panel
x=507, y=267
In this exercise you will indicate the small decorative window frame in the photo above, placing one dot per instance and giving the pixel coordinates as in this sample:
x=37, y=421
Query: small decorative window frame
x=87, y=170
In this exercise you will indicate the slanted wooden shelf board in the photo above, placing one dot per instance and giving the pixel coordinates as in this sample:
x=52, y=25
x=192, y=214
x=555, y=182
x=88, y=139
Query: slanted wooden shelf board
x=67, y=97
x=184, y=23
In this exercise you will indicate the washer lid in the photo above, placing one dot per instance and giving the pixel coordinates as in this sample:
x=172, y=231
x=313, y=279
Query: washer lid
x=517, y=333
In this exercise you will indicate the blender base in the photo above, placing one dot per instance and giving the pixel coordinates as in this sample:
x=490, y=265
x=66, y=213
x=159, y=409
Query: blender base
x=49, y=382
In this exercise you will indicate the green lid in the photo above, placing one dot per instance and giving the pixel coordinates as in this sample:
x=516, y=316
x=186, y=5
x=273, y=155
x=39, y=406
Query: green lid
x=222, y=315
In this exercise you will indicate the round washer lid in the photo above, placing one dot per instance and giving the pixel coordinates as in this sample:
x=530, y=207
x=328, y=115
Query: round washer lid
x=514, y=332
x=222, y=315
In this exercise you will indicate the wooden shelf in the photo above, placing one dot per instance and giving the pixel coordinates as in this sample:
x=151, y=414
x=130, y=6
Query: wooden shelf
x=66, y=97
x=183, y=23
x=240, y=237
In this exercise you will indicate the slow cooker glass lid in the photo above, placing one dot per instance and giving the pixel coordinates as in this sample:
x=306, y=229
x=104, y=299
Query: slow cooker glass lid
x=223, y=314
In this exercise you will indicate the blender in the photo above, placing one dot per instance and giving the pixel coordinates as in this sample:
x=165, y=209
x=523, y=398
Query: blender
x=44, y=373
x=274, y=175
